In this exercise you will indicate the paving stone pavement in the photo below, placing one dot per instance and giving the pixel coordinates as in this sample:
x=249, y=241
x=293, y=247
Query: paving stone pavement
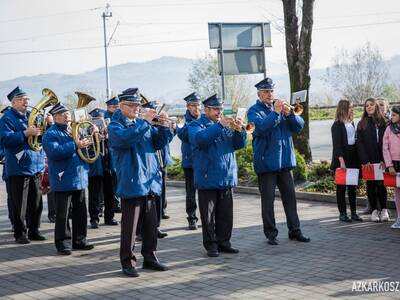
x=338, y=255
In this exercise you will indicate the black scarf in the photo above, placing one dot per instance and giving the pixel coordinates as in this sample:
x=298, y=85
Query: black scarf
x=395, y=127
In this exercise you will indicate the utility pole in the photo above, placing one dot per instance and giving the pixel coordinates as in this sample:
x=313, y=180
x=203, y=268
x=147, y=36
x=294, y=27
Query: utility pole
x=106, y=14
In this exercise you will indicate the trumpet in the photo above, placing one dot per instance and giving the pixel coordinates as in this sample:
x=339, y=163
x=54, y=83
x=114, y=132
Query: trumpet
x=233, y=125
x=296, y=109
x=159, y=120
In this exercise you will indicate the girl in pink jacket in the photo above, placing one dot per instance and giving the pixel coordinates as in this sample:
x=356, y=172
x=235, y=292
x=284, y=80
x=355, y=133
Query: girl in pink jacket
x=391, y=154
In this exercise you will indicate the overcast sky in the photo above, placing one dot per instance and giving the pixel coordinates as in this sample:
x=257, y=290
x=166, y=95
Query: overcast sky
x=149, y=29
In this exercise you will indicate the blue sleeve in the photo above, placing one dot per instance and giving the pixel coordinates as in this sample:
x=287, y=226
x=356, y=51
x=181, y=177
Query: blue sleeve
x=10, y=138
x=296, y=123
x=239, y=139
x=161, y=136
x=263, y=125
x=203, y=137
x=56, y=151
x=183, y=133
x=124, y=137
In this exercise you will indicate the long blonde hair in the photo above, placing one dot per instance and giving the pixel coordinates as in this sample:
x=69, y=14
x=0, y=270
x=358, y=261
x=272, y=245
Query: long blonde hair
x=342, y=111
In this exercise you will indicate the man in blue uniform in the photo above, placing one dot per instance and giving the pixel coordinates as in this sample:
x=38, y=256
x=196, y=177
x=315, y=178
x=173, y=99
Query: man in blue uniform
x=24, y=168
x=68, y=176
x=134, y=142
x=109, y=176
x=215, y=173
x=274, y=159
x=193, y=112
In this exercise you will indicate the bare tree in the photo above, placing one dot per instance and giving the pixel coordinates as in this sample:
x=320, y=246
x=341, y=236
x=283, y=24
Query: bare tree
x=298, y=54
x=204, y=78
x=358, y=75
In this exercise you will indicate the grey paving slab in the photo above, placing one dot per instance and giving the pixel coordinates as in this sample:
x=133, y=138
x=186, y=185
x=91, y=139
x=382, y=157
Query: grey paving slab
x=326, y=268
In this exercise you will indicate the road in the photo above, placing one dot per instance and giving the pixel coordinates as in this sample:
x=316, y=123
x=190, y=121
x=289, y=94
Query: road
x=320, y=140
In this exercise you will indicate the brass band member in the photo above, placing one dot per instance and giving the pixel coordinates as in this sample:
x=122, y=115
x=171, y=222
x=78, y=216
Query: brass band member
x=215, y=173
x=24, y=168
x=134, y=143
x=68, y=175
x=274, y=159
x=193, y=112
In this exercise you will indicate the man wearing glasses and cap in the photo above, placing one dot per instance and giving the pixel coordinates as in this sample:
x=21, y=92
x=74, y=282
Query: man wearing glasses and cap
x=274, y=159
x=68, y=175
x=134, y=142
x=24, y=168
x=193, y=112
x=215, y=173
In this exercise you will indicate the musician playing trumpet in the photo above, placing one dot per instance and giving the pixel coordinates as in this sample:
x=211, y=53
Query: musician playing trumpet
x=215, y=173
x=274, y=158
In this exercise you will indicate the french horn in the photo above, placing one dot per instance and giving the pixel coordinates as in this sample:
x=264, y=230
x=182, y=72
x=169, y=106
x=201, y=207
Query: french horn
x=82, y=128
x=37, y=118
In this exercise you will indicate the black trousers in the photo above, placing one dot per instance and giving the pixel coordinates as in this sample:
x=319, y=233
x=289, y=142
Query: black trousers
x=163, y=192
x=109, y=187
x=9, y=201
x=216, y=212
x=62, y=232
x=267, y=183
x=27, y=203
x=95, y=189
x=341, y=198
x=190, y=194
x=377, y=194
x=135, y=210
x=51, y=204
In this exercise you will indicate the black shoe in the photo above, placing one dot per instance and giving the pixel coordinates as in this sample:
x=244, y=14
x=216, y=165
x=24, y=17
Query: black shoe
x=139, y=238
x=83, y=247
x=130, y=271
x=111, y=222
x=212, y=253
x=94, y=224
x=65, y=251
x=161, y=234
x=165, y=217
x=192, y=225
x=356, y=217
x=154, y=265
x=273, y=241
x=300, y=238
x=22, y=240
x=344, y=218
x=36, y=237
x=228, y=249
x=52, y=219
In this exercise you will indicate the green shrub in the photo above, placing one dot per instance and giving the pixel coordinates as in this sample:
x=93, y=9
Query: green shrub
x=175, y=171
x=319, y=170
x=300, y=172
x=244, y=159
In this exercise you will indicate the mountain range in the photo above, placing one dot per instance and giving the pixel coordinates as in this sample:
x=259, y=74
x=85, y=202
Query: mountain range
x=164, y=79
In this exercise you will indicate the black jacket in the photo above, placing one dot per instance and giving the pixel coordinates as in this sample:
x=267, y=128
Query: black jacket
x=369, y=147
x=340, y=147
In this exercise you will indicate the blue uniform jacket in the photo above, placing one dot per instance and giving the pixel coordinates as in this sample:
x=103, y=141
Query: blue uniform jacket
x=214, y=161
x=21, y=159
x=186, y=148
x=134, y=147
x=272, y=138
x=67, y=172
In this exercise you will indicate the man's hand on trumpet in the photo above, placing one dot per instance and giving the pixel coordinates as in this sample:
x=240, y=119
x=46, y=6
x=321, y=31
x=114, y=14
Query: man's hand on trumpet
x=149, y=115
x=278, y=105
x=83, y=143
x=226, y=121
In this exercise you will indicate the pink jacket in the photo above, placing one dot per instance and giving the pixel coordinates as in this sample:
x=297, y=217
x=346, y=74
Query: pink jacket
x=391, y=147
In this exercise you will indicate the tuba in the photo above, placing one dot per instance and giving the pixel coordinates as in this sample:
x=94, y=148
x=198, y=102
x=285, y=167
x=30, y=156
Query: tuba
x=38, y=119
x=82, y=128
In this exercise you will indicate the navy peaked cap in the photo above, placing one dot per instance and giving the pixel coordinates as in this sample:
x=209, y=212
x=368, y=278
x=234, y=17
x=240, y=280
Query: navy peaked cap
x=59, y=108
x=17, y=92
x=193, y=97
x=213, y=101
x=265, y=85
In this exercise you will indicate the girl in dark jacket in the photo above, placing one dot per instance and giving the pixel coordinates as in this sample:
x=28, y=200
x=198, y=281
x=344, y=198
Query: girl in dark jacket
x=370, y=131
x=344, y=155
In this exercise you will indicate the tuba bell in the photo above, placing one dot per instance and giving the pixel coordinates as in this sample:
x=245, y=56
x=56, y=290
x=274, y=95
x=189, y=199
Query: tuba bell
x=38, y=119
x=82, y=128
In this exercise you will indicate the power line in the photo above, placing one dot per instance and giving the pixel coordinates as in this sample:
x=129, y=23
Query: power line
x=357, y=25
x=98, y=47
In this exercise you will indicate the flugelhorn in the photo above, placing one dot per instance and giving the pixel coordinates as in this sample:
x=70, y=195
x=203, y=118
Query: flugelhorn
x=296, y=109
x=37, y=117
x=84, y=129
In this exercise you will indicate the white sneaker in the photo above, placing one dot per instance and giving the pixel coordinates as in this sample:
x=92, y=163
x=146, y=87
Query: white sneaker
x=396, y=225
x=375, y=216
x=384, y=215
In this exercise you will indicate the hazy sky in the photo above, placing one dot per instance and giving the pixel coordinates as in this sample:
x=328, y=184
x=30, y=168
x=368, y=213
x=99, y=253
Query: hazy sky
x=147, y=27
